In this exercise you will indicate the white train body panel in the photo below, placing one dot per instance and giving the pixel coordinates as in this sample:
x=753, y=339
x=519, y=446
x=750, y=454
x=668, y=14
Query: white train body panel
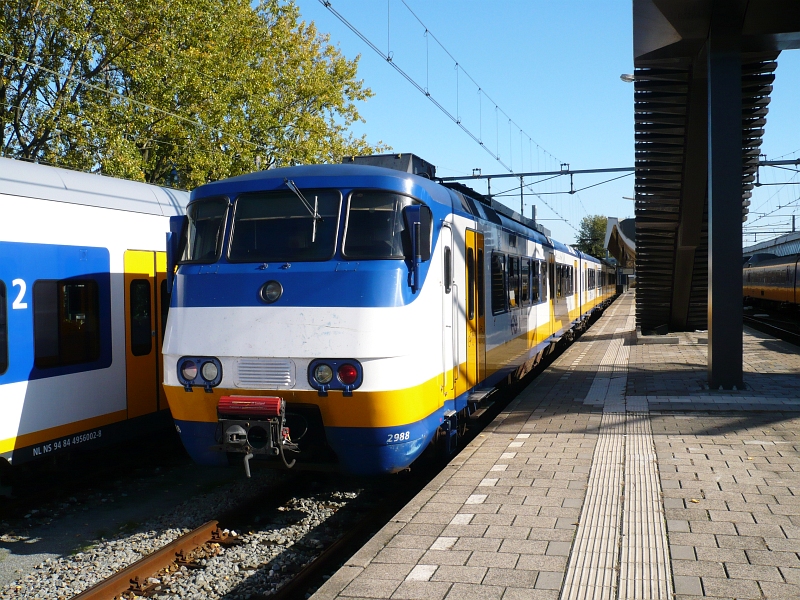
x=60, y=230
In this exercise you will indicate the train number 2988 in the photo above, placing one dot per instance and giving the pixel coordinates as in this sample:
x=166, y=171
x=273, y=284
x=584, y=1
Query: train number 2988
x=398, y=437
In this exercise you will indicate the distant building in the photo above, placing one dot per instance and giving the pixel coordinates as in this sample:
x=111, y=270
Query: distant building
x=621, y=244
x=620, y=241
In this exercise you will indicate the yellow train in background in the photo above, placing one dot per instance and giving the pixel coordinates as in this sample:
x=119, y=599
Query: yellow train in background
x=771, y=279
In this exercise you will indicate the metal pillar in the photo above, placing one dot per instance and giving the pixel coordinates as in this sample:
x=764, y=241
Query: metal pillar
x=725, y=200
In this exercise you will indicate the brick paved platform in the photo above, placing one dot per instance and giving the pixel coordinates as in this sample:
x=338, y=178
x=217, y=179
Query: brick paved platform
x=615, y=474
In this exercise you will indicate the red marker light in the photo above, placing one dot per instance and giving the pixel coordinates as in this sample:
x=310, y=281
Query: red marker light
x=347, y=374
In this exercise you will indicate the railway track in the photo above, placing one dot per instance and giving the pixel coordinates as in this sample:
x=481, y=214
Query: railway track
x=190, y=554
x=782, y=333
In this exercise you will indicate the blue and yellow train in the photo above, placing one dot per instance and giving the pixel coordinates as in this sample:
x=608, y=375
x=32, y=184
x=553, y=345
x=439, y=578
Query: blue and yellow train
x=352, y=314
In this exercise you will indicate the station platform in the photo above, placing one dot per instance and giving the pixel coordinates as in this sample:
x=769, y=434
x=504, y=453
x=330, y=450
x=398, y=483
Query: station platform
x=615, y=474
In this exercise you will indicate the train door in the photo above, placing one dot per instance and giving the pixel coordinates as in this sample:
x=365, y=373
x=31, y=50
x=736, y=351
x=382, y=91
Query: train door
x=449, y=329
x=144, y=272
x=480, y=267
x=476, y=320
x=551, y=280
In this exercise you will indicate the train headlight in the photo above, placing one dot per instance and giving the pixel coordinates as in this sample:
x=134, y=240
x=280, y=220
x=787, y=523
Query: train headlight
x=348, y=374
x=189, y=370
x=199, y=371
x=335, y=374
x=209, y=371
x=271, y=291
x=323, y=374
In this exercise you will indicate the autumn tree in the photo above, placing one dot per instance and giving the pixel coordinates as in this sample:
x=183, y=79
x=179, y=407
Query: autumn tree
x=178, y=92
x=592, y=235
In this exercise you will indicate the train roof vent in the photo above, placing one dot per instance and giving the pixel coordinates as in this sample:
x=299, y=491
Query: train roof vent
x=408, y=163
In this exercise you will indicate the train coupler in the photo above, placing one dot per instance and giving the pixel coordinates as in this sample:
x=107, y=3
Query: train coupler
x=254, y=425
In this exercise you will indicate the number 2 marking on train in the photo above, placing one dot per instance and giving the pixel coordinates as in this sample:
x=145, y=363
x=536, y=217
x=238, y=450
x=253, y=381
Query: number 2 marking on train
x=18, y=303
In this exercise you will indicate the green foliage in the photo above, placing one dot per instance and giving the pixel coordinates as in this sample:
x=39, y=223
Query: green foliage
x=178, y=92
x=592, y=235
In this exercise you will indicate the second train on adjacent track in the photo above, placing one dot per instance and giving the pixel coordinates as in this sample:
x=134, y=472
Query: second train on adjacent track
x=351, y=315
x=772, y=279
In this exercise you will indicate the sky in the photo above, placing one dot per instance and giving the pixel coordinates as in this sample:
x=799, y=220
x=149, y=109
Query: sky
x=552, y=69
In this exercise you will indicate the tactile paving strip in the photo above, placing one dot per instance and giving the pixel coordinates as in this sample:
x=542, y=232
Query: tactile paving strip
x=620, y=548
x=644, y=559
x=591, y=571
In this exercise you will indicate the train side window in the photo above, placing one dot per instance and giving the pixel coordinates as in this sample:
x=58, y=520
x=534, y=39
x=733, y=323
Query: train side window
x=481, y=292
x=66, y=322
x=498, y=283
x=513, y=282
x=559, y=280
x=164, y=300
x=535, y=292
x=470, y=284
x=141, y=313
x=544, y=282
x=3, y=329
x=569, y=280
x=525, y=279
x=448, y=269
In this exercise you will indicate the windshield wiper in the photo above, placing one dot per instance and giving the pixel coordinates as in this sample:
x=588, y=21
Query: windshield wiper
x=312, y=211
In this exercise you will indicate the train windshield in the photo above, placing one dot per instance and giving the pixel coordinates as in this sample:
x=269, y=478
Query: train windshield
x=204, y=236
x=278, y=227
x=375, y=226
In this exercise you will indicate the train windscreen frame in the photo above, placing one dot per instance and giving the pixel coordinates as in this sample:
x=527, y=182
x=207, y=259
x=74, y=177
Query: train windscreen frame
x=278, y=227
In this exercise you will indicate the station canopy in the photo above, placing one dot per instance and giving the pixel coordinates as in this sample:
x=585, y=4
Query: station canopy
x=671, y=113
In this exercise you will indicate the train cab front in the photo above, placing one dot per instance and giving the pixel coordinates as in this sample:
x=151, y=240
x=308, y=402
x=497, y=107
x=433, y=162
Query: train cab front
x=291, y=329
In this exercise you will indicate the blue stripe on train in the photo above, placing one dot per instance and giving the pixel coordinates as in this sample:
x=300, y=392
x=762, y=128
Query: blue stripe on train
x=22, y=265
x=377, y=283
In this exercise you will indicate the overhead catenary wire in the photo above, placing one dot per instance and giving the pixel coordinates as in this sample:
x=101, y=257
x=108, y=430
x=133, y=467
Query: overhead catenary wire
x=453, y=58
x=425, y=89
x=408, y=78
